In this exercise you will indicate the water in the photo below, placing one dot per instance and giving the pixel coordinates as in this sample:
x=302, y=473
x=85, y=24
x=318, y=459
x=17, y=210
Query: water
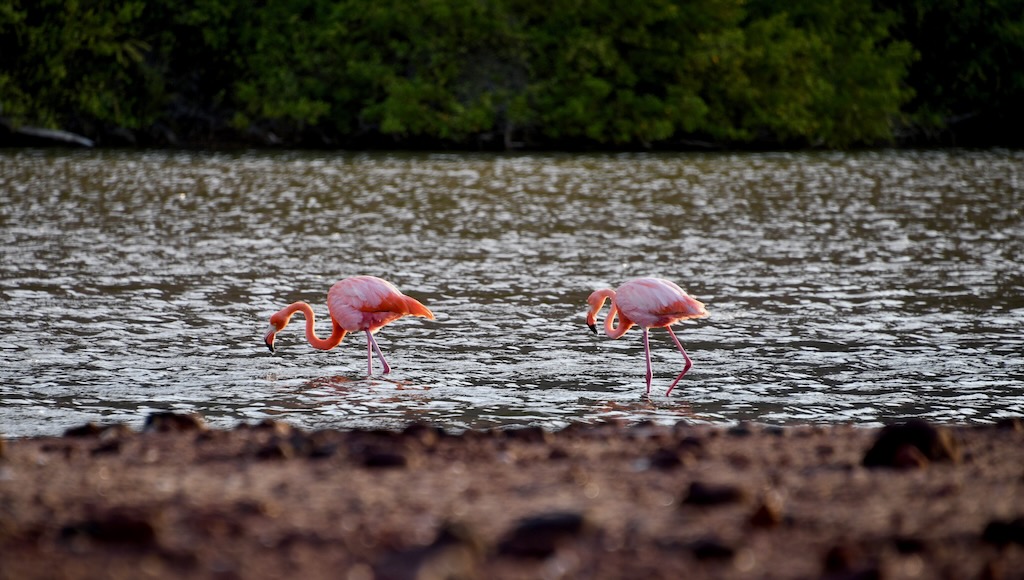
x=843, y=287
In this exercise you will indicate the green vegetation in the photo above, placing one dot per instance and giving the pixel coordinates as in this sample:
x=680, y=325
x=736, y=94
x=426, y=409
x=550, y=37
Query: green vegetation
x=509, y=73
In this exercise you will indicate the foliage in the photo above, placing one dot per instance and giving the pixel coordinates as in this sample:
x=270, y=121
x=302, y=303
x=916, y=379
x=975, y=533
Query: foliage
x=65, y=60
x=653, y=73
x=970, y=71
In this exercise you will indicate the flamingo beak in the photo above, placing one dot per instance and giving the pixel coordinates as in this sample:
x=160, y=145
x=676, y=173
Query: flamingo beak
x=593, y=328
x=269, y=338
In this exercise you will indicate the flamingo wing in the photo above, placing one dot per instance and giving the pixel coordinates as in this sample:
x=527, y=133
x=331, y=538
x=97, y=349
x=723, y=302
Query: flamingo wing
x=368, y=303
x=653, y=302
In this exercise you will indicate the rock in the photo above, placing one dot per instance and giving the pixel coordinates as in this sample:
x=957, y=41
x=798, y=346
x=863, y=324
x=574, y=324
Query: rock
x=711, y=548
x=166, y=421
x=116, y=527
x=1003, y=532
x=1015, y=424
x=273, y=426
x=692, y=445
x=849, y=562
x=558, y=453
x=110, y=447
x=707, y=494
x=380, y=458
x=664, y=459
x=427, y=435
x=912, y=444
x=908, y=457
x=909, y=545
x=90, y=429
x=769, y=512
x=740, y=430
x=455, y=554
x=530, y=434
x=539, y=536
x=277, y=448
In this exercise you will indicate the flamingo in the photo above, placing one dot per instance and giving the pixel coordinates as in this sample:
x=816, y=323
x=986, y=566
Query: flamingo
x=651, y=303
x=358, y=303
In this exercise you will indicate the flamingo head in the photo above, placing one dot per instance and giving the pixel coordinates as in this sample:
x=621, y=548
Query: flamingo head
x=269, y=337
x=277, y=323
x=596, y=301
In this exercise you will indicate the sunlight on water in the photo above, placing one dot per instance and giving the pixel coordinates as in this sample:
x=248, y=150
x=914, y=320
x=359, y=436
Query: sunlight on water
x=843, y=287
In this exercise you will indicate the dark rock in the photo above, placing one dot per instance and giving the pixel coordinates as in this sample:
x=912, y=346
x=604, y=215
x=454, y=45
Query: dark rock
x=455, y=554
x=1003, y=532
x=992, y=570
x=741, y=430
x=708, y=494
x=110, y=447
x=384, y=459
x=841, y=558
x=909, y=457
x=114, y=528
x=321, y=450
x=558, y=453
x=912, y=444
x=293, y=443
x=712, y=549
x=539, y=536
x=90, y=429
x=530, y=434
x=427, y=435
x=166, y=421
x=768, y=513
x=665, y=459
x=906, y=545
x=276, y=427
x=849, y=562
x=1015, y=424
x=691, y=444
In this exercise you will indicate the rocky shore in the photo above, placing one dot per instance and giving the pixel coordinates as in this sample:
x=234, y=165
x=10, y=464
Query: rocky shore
x=178, y=500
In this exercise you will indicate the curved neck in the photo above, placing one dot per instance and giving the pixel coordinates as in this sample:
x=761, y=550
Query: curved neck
x=337, y=334
x=597, y=300
x=609, y=323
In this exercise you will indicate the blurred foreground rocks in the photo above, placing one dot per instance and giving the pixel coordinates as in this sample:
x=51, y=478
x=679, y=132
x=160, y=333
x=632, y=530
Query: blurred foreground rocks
x=612, y=500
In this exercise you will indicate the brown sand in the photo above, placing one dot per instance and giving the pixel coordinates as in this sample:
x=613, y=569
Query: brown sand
x=602, y=501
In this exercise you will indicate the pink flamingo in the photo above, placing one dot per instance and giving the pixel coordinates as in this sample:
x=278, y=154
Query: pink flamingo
x=356, y=303
x=651, y=303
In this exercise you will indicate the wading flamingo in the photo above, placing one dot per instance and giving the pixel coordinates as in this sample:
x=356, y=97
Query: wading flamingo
x=651, y=303
x=357, y=303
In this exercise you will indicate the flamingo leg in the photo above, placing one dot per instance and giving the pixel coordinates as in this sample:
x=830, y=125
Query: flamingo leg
x=647, y=355
x=369, y=353
x=371, y=348
x=689, y=363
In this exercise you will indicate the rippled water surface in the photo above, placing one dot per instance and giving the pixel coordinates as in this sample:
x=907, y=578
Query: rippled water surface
x=857, y=287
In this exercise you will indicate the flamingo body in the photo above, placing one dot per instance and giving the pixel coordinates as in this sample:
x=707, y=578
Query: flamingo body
x=364, y=303
x=649, y=303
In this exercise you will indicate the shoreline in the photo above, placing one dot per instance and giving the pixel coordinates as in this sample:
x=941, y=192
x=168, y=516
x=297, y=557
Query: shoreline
x=607, y=500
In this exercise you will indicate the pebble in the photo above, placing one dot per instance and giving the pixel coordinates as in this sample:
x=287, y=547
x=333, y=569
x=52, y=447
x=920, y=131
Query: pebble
x=769, y=512
x=1003, y=532
x=664, y=459
x=913, y=444
x=709, y=494
x=114, y=528
x=711, y=548
x=166, y=421
x=455, y=554
x=539, y=536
